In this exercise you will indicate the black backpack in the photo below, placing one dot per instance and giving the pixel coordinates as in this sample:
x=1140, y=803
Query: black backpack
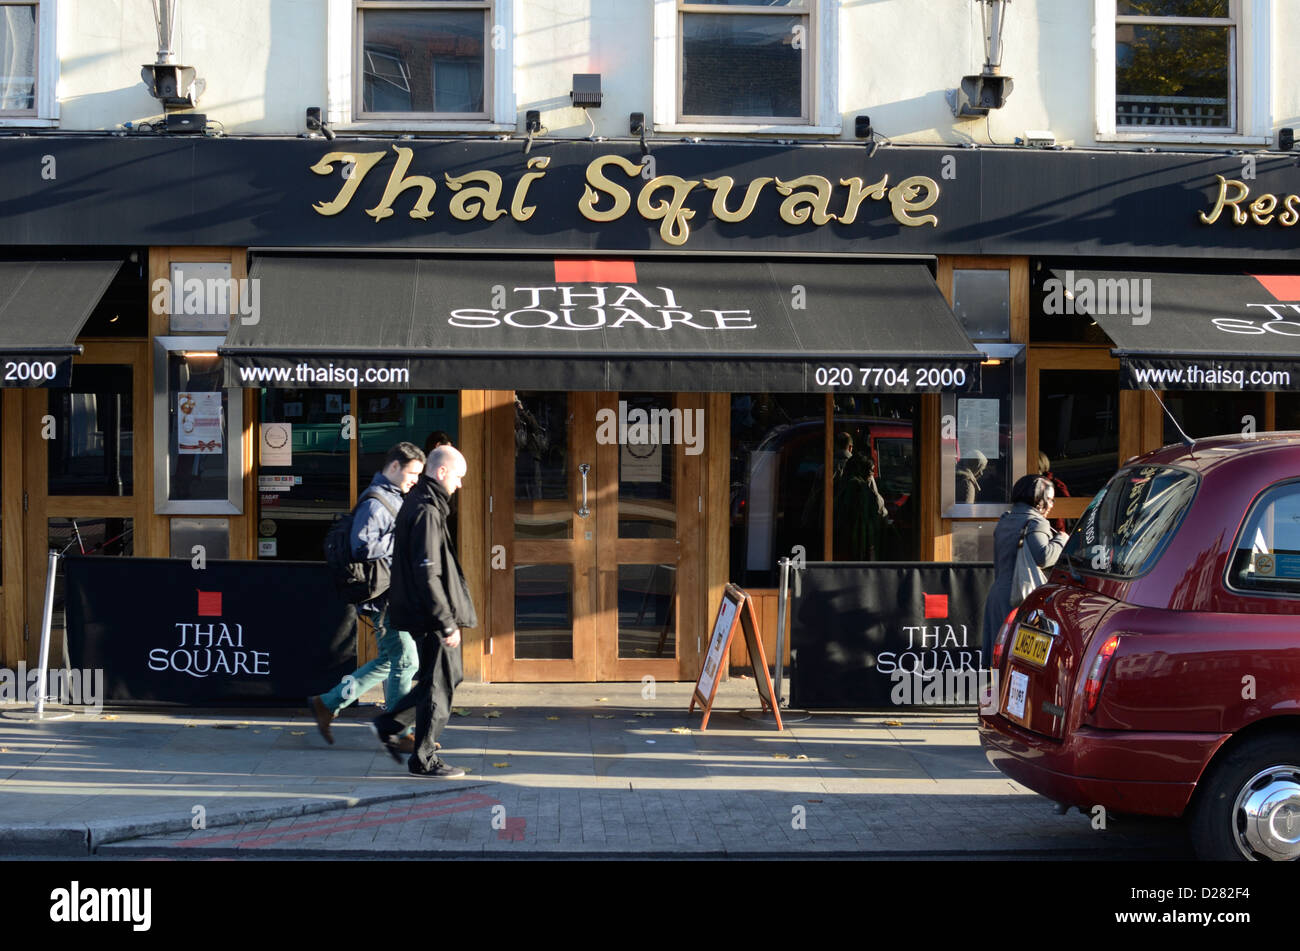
x=355, y=581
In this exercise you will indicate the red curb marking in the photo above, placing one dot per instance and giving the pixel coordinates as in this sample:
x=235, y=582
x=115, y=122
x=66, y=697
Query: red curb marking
x=264, y=837
x=514, y=830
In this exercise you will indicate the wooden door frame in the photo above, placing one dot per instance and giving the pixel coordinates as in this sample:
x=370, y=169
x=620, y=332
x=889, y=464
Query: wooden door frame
x=42, y=506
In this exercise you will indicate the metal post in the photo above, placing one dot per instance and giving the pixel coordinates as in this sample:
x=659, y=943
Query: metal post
x=47, y=620
x=784, y=565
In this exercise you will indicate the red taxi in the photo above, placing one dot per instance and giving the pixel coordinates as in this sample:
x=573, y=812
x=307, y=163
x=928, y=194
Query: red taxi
x=1158, y=670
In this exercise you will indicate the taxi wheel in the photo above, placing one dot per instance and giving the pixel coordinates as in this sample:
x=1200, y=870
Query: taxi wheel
x=1248, y=803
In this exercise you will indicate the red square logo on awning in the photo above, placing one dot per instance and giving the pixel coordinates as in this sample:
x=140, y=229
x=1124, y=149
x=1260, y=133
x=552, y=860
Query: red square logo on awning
x=936, y=605
x=1284, y=287
x=209, y=604
x=595, y=272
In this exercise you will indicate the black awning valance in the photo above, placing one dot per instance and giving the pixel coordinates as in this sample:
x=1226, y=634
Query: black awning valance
x=656, y=324
x=1175, y=331
x=43, y=305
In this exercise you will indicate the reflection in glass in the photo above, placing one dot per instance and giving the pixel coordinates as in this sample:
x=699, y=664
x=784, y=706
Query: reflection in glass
x=1078, y=429
x=198, y=437
x=1202, y=414
x=778, y=446
x=981, y=299
x=647, y=464
x=874, y=478
x=647, y=621
x=1286, y=410
x=83, y=536
x=1173, y=76
x=90, y=452
x=741, y=65
x=387, y=417
x=18, y=58
x=543, y=612
x=296, y=514
x=981, y=470
x=543, y=508
x=423, y=61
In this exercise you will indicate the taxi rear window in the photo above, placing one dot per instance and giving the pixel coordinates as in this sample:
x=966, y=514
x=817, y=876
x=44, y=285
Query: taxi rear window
x=1130, y=521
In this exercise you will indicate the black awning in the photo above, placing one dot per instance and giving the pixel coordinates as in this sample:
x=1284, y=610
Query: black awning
x=665, y=323
x=43, y=305
x=1190, y=331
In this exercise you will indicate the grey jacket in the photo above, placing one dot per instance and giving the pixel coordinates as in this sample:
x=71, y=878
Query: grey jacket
x=372, y=531
x=1044, y=547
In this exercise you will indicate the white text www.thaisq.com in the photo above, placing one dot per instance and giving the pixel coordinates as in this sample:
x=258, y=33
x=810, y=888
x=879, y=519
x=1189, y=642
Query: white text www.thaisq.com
x=329, y=373
x=1194, y=374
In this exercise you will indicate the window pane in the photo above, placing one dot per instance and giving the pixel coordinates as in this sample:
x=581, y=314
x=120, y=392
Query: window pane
x=198, y=432
x=1268, y=550
x=423, y=61
x=387, y=418
x=1172, y=76
x=778, y=457
x=1172, y=8
x=1212, y=414
x=646, y=465
x=543, y=612
x=1131, y=519
x=91, y=451
x=874, y=497
x=1287, y=410
x=741, y=65
x=81, y=536
x=543, y=508
x=646, y=617
x=297, y=502
x=982, y=302
x=981, y=469
x=750, y=3
x=1078, y=429
x=18, y=57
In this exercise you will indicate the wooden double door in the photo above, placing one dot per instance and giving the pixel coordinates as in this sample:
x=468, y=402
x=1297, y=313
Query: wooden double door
x=595, y=509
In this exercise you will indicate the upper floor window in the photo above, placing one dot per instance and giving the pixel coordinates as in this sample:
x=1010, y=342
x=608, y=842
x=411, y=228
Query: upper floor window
x=741, y=65
x=420, y=63
x=28, y=63
x=1183, y=70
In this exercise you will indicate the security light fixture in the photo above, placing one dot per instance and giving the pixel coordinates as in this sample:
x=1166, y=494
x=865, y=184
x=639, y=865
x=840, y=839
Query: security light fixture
x=176, y=87
x=1285, y=139
x=586, y=90
x=978, y=95
x=532, y=126
x=862, y=127
x=636, y=126
x=316, y=124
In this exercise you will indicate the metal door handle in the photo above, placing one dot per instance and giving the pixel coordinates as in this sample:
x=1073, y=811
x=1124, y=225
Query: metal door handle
x=583, y=512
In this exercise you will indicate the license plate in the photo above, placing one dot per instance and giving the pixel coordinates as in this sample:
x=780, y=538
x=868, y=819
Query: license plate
x=1032, y=646
x=1016, y=694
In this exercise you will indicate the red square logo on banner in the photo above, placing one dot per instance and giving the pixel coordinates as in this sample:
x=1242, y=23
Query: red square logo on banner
x=595, y=272
x=210, y=604
x=936, y=605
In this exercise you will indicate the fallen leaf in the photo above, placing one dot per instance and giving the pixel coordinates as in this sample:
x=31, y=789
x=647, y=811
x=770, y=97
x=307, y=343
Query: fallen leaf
x=500, y=765
x=109, y=716
x=601, y=699
x=893, y=723
x=602, y=716
x=4, y=749
x=814, y=800
x=642, y=713
x=492, y=714
x=297, y=732
x=681, y=729
x=552, y=718
x=460, y=711
x=801, y=756
x=190, y=726
x=780, y=756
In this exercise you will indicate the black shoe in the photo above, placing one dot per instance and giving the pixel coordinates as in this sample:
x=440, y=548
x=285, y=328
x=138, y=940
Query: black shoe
x=323, y=717
x=388, y=742
x=441, y=770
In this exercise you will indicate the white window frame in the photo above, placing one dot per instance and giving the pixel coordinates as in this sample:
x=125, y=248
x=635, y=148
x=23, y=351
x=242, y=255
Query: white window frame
x=342, y=56
x=1253, y=22
x=822, y=84
x=46, y=113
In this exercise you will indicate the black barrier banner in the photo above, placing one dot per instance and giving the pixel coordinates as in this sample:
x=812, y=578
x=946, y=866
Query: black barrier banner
x=163, y=631
x=886, y=634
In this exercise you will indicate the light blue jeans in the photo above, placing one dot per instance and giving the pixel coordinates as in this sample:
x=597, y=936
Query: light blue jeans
x=395, y=667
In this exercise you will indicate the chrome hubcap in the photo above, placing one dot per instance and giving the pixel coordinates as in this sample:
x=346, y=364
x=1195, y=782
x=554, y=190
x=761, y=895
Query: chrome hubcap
x=1266, y=815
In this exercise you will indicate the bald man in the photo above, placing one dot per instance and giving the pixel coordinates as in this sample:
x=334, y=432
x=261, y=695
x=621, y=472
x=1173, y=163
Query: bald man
x=429, y=598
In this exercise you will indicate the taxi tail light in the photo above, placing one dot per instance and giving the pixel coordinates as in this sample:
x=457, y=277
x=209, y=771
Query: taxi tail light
x=1097, y=673
x=1004, y=633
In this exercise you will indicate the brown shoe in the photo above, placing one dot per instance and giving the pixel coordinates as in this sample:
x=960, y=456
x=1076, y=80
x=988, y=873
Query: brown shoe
x=323, y=717
x=406, y=744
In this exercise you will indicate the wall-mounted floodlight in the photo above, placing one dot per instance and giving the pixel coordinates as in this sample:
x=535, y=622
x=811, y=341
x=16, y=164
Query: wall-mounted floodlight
x=636, y=126
x=1285, y=139
x=988, y=90
x=532, y=126
x=586, y=90
x=176, y=87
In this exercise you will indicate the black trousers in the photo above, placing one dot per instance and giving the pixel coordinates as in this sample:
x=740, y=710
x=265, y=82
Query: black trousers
x=429, y=702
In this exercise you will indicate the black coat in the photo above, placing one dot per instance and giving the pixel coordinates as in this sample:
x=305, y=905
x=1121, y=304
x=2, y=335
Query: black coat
x=428, y=592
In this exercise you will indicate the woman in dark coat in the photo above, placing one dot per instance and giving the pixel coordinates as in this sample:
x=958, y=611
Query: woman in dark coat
x=1032, y=498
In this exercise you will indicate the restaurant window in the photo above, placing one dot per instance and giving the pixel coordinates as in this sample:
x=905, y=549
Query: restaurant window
x=29, y=64
x=982, y=437
x=1202, y=414
x=744, y=63
x=1287, y=411
x=420, y=62
x=1078, y=429
x=92, y=432
x=1181, y=69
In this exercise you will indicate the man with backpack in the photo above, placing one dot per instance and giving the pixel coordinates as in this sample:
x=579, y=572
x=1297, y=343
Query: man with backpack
x=371, y=543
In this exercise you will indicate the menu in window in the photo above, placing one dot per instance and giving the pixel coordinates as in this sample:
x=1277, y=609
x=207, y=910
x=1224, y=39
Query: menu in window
x=977, y=428
x=198, y=424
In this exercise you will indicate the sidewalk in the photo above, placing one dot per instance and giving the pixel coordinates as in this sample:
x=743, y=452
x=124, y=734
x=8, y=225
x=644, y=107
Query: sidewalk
x=561, y=770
